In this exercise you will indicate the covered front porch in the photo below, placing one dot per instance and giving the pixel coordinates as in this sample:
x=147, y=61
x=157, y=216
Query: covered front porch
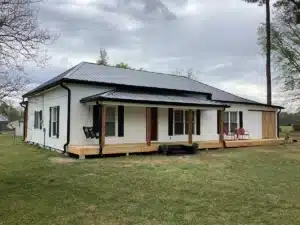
x=119, y=122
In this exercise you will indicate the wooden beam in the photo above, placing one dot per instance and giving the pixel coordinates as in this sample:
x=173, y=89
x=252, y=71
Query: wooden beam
x=260, y=110
x=190, y=126
x=148, y=126
x=102, y=125
x=221, y=125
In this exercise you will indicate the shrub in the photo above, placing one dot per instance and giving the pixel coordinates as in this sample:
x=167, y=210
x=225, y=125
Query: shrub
x=296, y=127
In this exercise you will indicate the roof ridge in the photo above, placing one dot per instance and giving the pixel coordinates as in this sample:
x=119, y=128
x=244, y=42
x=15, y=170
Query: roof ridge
x=74, y=69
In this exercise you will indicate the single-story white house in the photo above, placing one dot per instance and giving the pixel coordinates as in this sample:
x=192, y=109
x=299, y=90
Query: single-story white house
x=95, y=109
x=17, y=126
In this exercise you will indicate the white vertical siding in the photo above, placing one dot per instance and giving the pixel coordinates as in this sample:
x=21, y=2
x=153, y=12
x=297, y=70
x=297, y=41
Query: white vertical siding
x=54, y=97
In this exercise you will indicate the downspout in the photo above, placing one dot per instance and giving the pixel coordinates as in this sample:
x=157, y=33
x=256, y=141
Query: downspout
x=278, y=127
x=24, y=119
x=68, y=116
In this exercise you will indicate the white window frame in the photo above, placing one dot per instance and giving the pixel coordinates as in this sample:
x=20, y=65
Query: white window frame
x=229, y=120
x=54, y=111
x=174, y=121
x=115, y=121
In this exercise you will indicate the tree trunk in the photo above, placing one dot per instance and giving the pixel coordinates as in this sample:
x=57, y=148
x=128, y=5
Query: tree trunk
x=268, y=54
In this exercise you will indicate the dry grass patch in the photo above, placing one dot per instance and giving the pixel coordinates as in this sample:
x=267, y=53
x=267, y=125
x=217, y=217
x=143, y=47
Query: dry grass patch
x=62, y=160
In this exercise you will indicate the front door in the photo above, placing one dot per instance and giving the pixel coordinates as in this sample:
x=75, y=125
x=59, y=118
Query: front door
x=154, y=124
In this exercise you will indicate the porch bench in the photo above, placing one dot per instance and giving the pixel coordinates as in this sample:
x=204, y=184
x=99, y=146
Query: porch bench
x=178, y=148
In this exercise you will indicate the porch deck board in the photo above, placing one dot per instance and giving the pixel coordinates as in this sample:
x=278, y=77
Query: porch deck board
x=253, y=142
x=143, y=147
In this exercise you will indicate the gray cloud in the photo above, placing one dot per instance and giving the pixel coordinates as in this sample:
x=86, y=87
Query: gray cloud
x=216, y=38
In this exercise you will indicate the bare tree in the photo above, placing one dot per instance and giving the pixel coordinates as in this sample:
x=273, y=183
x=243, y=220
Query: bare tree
x=21, y=39
x=189, y=73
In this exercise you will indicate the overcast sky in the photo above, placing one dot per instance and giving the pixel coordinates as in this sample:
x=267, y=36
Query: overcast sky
x=217, y=38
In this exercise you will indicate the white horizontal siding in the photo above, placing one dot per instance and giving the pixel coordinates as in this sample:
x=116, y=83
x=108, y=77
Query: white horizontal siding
x=54, y=97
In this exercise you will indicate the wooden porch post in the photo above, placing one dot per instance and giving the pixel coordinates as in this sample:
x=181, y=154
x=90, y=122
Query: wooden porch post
x=102, y=125
x=190, y=126
x=148, y=126
x=221, y=126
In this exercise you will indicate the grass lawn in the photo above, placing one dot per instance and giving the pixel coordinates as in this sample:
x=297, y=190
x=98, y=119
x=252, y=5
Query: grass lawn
x=286, y=129
x=236, y=186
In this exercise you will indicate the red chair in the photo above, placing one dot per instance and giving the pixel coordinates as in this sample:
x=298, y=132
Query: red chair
x=241, y=133
x=230, y=134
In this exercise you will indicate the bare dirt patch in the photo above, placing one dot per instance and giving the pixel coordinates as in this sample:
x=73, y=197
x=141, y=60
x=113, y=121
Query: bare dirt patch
x=62, y=160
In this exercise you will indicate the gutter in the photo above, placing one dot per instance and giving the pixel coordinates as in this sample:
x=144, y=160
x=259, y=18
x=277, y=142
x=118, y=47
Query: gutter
x=68, y=117
x=278, y=127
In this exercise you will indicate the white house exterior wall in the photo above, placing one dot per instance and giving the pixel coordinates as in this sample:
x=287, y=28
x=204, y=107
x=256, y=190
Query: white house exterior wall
x=252, y=120
x=54, y=97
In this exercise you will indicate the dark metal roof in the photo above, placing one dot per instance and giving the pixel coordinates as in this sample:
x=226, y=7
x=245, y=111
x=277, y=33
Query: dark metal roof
x=90, y=72
x=144, y=97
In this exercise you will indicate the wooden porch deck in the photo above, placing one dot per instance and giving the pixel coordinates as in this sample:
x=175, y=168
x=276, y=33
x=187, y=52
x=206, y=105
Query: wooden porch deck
x=143, y=147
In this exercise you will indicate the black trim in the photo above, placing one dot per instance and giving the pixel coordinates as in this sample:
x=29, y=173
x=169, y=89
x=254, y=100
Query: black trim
x=68, y=116
x=198, y=125
x=50, y=120
x=120, y=121
x=170, y=122
x=57, y=122
x=41, y=119
x=87, y=99
x=218, y=120
x=96, y=128
x=278, y=125
x=241, y=120
x=127, y=87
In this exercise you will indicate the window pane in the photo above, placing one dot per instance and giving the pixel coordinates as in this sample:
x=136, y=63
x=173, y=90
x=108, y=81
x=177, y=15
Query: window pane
x=178, y=128
x=233, y=127
x=178, y=115
x=110, y=129
x=226, y=128
x=233, y=117
x=54, y=128
x=110, y=114
x=187, y=120
x=54, y=115
x=225, y=117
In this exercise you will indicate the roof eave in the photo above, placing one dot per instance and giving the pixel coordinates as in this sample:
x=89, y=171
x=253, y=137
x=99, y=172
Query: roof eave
x=250, y=103
x=94, y=99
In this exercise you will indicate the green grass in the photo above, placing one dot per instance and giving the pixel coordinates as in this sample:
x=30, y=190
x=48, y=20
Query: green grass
x=236, y=186
x=286, y=129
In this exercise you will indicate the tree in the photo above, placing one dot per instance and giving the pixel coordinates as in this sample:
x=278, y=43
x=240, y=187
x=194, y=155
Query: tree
x=103, y=58
x=21, y=39
x=12, y=113
x=285, y=47
x=123, y=65
x=189, y=73
x=268, y=47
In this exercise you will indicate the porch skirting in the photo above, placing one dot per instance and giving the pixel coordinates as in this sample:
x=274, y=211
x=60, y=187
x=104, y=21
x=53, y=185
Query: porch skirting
x=83, y=150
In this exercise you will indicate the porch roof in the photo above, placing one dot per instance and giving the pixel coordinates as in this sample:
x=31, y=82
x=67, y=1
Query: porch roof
x=151, y=98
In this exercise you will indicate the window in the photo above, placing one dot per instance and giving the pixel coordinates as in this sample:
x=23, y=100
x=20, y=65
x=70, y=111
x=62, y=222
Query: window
x=178, y=122
x=187, y=122
x=38, y=119
x=54, y=122
x=110, y=121
x=230, y=121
